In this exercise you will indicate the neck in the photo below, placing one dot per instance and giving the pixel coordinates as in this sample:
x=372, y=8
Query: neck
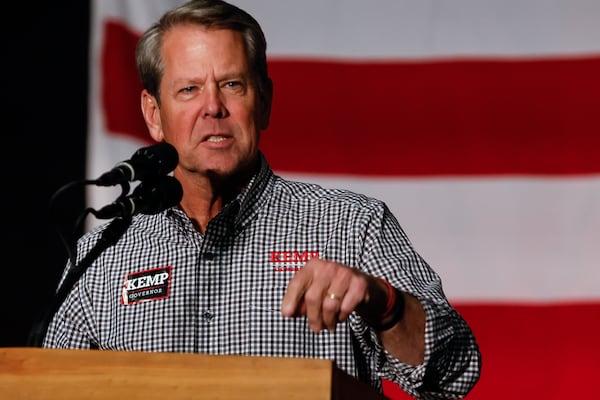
x=204, y=196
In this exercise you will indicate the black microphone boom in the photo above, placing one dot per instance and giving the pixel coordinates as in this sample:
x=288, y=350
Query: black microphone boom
x=149, y=197
x=146, y=163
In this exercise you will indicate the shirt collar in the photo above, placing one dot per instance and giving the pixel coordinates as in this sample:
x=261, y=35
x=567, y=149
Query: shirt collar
x=243, y=208
x=255, y=194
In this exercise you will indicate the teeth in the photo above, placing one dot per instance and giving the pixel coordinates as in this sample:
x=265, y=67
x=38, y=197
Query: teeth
x=215, y=139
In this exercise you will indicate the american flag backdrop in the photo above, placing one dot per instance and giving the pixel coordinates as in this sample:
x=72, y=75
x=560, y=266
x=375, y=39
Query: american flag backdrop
x=477, y=121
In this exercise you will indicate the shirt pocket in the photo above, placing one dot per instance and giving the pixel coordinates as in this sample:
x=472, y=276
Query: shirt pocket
x=279, y=336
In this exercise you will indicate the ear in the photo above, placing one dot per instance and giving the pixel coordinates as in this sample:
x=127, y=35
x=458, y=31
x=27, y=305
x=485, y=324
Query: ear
x=151, y=113
x=266, y=101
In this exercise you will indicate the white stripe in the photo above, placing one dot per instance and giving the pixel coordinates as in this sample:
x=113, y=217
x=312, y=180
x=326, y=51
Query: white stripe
x=138, y=14
x=428, y=28
x=498, y=239
x=404, y=28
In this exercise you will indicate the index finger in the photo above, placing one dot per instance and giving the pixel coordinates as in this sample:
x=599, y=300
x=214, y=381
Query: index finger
x=292, y=304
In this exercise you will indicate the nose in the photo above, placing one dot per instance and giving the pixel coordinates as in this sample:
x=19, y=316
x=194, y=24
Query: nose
x=214, y=106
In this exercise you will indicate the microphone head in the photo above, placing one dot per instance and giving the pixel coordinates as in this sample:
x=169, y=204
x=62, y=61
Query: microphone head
x=151, y=161
x=146, y=163
x=158, y=194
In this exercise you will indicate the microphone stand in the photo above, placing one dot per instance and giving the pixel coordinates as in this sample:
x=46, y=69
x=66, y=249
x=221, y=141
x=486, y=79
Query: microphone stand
x=113, y=232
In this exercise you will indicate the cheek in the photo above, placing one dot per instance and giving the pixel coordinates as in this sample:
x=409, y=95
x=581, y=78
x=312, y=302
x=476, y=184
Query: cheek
x=177, y=122
x=248, y=117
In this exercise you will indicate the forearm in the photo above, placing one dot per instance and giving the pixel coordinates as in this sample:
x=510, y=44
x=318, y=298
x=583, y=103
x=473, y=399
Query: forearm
x=449, y=365
x=406, y=339
x=431, y=348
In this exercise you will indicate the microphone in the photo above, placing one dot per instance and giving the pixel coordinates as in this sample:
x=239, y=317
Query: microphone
x=146, y=163
x=149, y=197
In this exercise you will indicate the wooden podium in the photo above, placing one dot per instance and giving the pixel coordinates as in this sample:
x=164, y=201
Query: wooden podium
x=48, y=374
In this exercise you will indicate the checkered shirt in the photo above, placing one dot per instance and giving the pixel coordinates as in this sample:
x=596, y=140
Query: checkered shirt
x=166, y=287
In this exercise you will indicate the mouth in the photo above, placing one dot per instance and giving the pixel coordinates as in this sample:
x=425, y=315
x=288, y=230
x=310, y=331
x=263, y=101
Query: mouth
x=216, y=139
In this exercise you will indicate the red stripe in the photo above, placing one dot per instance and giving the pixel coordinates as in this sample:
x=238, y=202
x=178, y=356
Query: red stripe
x=461, y=117
x=454, y=117
x=533, y=352
x=121, y=85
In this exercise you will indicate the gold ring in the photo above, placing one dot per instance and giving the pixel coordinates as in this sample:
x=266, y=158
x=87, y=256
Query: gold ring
x=333, y=296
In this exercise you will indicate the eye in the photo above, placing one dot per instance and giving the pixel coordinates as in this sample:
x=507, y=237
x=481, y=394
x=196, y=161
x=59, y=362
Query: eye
x=235, y=86
x=189, y=89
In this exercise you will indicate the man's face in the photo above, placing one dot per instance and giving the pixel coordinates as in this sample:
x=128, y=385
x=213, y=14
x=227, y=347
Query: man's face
x=209, y=108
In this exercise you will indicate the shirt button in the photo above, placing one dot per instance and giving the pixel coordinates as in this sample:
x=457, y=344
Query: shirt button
x=207, y=315
x=209, y=256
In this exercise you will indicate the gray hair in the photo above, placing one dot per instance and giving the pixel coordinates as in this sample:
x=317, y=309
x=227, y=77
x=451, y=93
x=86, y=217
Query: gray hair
x=216, y=14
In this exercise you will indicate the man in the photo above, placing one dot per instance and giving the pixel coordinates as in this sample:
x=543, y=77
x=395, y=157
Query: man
x=250, y=263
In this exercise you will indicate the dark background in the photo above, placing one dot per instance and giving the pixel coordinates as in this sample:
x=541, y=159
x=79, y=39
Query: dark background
x=44, y=69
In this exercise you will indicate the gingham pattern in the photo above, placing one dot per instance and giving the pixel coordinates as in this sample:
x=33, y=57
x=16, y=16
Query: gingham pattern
x=225, y=291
